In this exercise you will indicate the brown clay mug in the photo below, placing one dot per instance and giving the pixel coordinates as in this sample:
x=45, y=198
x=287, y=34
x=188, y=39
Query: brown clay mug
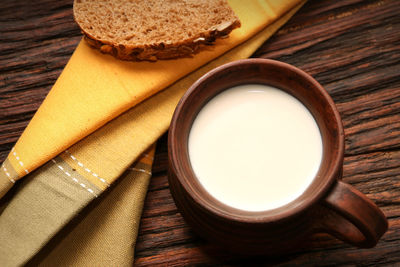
x=328, y=204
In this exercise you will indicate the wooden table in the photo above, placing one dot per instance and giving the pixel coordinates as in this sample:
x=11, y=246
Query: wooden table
x=351, y=47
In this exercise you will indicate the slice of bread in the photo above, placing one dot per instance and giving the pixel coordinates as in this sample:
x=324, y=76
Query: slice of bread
x=153, y=29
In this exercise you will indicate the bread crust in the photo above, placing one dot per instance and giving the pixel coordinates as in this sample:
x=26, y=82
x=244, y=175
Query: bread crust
x=161, y=50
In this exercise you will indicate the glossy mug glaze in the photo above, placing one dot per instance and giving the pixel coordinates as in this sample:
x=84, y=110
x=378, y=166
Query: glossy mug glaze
x=327, y=205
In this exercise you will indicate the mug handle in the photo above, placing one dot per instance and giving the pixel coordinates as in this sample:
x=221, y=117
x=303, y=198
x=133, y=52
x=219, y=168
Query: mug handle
x=351, y=217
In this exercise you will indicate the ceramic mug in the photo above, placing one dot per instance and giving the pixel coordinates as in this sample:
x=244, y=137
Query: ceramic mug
x=328, y=204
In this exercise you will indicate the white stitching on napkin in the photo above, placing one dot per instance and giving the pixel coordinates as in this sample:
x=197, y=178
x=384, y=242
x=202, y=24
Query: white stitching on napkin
x=74, y=179
x=140, y=170
x=8, y=174
x=85, y=168
x=18, y=159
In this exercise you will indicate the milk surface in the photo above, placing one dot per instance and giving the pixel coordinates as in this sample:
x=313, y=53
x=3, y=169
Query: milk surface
x=255, y=147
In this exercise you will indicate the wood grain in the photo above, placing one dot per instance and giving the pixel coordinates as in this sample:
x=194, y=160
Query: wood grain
x=352, y=47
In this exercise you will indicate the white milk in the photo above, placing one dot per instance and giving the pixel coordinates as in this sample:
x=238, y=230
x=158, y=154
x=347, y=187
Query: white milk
x=255, y=147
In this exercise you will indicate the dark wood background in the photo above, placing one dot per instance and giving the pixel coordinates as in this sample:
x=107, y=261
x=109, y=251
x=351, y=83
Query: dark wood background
x=351, y=47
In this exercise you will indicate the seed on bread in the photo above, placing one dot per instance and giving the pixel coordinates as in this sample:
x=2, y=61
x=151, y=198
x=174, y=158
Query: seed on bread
x=153, y=29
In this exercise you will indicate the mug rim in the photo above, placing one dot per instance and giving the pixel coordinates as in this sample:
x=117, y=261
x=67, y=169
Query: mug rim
x=255, y=216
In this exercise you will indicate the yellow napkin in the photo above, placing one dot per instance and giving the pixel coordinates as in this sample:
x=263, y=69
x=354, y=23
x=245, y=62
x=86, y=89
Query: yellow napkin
x=51, y=196
x=95, y=88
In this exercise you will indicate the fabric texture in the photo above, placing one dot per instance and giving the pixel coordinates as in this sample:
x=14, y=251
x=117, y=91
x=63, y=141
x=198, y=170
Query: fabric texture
x=105, y=233
x=48, y=199
x=72, y=184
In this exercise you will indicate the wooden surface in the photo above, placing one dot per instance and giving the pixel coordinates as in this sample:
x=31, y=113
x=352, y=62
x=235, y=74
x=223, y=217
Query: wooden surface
x=351, y=47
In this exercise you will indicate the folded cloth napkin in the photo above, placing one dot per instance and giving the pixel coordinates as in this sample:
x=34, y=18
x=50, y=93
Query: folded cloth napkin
x=52, y=195
x=101, y=234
